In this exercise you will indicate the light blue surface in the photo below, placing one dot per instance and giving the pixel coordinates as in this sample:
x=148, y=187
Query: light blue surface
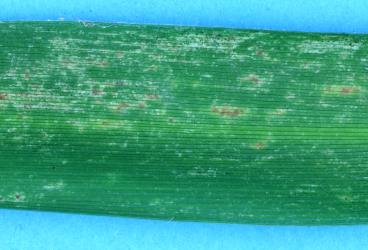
x=36, y=230
x=44, y=231
x=311, y=15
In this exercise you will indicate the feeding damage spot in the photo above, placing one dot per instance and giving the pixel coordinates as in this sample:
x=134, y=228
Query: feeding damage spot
x=119, y=54
x=341, y=90
x=97, y=92
x=16, y=197
x=54, y=186
x=261, y=143
x=3, y=96
x=258, y=145
x=227, y=110
x=13, y=197
x=152, y=96
x=259, y=53
x=122, y=106
x=203, y=172
x=142, y=105
x=278, y=112
x=345, y=198
x=102, y=64
x=87, y=24
x=347, y=90
x=252, y=78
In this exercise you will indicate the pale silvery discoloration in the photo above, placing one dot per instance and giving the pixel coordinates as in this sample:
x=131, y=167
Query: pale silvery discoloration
x=54, y=186
x=322, y=47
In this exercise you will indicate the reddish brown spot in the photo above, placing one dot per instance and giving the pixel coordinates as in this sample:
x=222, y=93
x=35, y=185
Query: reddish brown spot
x=342, y=90
x=347, y=90
x=152, y=96
x=227, y=111
x=3, y=96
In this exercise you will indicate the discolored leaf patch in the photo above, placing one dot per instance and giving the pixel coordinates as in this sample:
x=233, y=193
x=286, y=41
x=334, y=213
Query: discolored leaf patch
x=227, y=111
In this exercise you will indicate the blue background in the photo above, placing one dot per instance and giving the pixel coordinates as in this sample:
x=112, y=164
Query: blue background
x=42, y=230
